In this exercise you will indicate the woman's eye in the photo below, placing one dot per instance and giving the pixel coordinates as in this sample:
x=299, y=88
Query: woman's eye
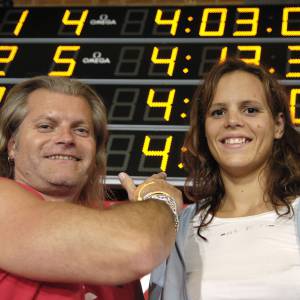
x=251, y=110
x=217, y=113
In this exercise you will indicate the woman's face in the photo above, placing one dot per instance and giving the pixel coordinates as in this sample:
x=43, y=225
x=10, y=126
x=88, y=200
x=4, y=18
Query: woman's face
x=239, y=125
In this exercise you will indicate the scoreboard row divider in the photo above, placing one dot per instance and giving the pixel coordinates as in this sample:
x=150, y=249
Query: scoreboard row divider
x=144, y=40
x=114, y=180
x=141, y=127
x=160, y=82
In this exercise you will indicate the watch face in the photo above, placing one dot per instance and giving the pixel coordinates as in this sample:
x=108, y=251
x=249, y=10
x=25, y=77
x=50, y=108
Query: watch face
x=146, y=63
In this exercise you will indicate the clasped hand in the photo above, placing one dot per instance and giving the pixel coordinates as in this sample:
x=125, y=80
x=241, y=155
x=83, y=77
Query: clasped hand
x=156, y=183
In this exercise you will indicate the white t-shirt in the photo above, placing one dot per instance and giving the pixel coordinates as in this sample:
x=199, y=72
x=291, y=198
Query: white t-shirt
x=246, y=258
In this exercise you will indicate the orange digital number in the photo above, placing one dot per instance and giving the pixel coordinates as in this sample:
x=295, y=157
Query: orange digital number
x=253, y=22
x=165, y=104
x=12, y=51
x=295, y=94
x=223, y=54
x=253, y=60
x=203, y=27
x=70, y=62
x=170, y=61
x=285, y=21
x=2, y=92
x=256, y=57
x=21, y=22
x=79, y=22
x=14, y=21
x=163, y=153
x=293, y=61
x=171, y=22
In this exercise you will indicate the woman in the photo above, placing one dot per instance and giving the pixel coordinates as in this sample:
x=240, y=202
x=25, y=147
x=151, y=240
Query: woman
x=240, y=240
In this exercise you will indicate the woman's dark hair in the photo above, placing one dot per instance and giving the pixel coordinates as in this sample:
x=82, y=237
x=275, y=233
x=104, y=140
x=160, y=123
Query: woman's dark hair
x=204, y=184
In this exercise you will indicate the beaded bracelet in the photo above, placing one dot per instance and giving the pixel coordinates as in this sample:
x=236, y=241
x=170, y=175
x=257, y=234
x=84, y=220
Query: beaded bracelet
x=170, y=201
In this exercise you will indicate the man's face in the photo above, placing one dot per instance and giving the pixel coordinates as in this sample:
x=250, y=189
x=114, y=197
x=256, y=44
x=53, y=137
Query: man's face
x=54, y=148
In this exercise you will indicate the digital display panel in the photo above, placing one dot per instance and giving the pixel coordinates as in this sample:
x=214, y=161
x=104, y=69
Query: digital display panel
x=150, y=61
x=197, y=21
x=146, y=62
x=157, y=105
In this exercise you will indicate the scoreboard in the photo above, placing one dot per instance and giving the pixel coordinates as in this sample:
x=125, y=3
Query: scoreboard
x=146, y=63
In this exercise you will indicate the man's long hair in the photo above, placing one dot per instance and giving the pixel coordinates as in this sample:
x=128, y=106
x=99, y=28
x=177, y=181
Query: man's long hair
x=14, y=111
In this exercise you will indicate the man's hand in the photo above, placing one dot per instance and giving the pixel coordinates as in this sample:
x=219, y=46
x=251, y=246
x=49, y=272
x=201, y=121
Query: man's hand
x=155, y=183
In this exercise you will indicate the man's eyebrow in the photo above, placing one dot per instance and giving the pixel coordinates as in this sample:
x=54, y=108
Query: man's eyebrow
x=81, y=122
x=55, y=120
x=45, y=117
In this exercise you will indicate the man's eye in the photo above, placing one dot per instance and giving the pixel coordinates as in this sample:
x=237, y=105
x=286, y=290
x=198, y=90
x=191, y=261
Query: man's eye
x=82, y=131
x=44, y=126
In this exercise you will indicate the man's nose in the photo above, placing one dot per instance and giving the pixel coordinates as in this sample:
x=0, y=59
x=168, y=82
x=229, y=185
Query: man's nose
x=65, y=136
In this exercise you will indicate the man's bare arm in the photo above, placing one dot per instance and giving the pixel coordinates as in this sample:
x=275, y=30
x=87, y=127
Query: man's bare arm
x=63, y=242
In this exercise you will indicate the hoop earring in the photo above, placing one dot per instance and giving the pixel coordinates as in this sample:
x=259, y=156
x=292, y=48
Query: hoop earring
x=11, y=165
x=10, y=160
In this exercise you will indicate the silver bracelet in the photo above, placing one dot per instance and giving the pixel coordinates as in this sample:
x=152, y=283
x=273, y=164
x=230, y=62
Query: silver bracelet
x=170, y=201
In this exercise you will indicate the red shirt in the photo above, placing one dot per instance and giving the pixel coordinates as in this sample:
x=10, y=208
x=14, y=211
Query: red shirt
x=17, y=288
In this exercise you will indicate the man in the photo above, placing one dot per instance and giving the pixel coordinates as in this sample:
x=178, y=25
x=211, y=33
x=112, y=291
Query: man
x=54, y=235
